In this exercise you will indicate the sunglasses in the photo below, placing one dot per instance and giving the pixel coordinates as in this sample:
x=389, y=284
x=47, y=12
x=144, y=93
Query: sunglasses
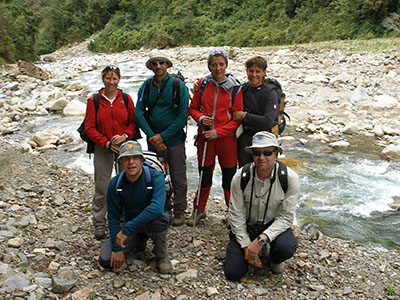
x=265, y=152
x=155, y=63
x=107, y=69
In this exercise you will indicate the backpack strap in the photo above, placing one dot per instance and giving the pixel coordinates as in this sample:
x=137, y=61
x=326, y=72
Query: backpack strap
x=96, y=103
x=282, y=175
x=118, y=187
x=245, y=177
x=176, y=85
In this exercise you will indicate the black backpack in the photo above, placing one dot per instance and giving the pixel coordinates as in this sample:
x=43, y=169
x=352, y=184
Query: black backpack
x=176, y=99
x=151, y=160
x=176, y=84
x=96, y=103
x=282, y=176
x=280, y=121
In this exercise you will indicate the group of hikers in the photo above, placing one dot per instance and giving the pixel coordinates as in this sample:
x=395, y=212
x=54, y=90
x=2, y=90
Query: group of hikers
x=234, y=124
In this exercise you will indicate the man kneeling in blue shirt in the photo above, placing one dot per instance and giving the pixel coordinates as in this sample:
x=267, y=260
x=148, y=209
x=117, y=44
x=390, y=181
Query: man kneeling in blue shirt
x=135, y=213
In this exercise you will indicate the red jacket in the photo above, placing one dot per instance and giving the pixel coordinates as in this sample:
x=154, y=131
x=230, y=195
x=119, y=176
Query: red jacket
x=111, y=119
x=216, y=101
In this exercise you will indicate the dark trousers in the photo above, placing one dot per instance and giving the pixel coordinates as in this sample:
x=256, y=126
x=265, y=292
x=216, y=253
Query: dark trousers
x=156, y=230
x=235, y=266
x=243, y=141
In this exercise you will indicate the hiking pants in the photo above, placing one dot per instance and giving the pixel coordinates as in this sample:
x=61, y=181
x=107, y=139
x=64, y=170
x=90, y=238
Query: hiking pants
x=225, y=149
x=243, y=141
x=156, y=230
x=176, y=159
x=103, y=165
x=235, y=266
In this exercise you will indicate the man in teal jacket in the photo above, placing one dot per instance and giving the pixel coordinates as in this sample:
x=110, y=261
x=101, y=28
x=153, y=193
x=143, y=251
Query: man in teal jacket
x=163, y=121
x=134, y=213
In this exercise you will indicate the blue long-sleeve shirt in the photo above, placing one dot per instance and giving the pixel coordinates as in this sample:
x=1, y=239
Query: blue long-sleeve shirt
x=163, y=118
x=139, y=210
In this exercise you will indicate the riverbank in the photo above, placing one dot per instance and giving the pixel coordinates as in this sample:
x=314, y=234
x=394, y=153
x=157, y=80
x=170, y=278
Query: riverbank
x=48, y=250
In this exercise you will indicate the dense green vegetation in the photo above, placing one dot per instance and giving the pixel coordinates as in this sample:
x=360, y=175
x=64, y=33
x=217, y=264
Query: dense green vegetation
x=42, y=26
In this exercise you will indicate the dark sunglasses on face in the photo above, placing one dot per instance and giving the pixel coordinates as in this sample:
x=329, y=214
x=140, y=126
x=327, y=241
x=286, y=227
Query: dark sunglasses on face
x=115, y=69
x=265, y=152
x=155, y=63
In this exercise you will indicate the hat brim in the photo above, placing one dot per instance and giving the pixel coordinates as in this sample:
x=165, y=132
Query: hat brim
x=158, y=58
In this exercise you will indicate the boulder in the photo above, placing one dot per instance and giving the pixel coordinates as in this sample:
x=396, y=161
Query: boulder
x=74, y=108
x=339, y=144
x=43, y=138
x=391, y=152
x=31, y=70
x=383, y=102
x=74, y=86
x=57, y=105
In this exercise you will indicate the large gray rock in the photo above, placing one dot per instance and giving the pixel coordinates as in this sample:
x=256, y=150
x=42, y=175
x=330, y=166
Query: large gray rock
x=16, y=282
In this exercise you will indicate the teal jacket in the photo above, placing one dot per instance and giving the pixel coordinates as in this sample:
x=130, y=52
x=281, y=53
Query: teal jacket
x=138, y=208
x=163, y=118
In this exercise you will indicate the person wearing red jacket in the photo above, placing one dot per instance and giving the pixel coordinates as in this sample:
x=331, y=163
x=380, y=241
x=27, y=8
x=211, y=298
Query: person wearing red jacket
x=113, y=125
x=217, y=97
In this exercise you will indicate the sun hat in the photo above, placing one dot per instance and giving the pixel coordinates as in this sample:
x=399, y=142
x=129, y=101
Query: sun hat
x=156, y=55
x=217, y=52
x=130, y=148
x=264, y=139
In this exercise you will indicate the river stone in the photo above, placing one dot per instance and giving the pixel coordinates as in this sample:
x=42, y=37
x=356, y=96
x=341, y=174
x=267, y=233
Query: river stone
x=391, y=152
x=44, y=282
x=74, y=108
x=44, y=138
x=84, y=294
x=74, y=86
x=396, y=203
x=31, y=70
x=57, y=105
x=339, y=144
x=15, y=242
x=383, y=102
x=16, y=282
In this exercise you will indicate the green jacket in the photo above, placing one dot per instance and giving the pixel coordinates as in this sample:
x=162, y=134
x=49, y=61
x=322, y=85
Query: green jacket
x=163, y=118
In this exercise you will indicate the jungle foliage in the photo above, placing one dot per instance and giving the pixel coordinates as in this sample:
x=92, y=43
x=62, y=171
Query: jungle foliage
x=42, y=26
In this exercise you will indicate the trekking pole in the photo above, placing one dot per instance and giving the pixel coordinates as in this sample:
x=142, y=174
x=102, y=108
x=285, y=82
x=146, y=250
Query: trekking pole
x=201, y=176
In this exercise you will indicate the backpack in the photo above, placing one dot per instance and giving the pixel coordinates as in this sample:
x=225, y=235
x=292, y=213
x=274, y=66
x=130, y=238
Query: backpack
x=151, y=160
x=96, y=103
x=282, y=176
x=280, y=121
x=176, y=84
x=206, y=79
x=176, y=99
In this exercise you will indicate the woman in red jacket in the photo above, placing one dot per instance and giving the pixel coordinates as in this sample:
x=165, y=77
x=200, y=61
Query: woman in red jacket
x=112, y=125
x=219, y=95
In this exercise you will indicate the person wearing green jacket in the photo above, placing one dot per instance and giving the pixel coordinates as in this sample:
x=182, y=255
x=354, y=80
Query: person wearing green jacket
x=163, y=120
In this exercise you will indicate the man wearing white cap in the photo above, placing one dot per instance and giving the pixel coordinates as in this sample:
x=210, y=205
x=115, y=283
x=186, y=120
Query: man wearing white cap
x=142, y=211
x=261, y=212
x=162, y=112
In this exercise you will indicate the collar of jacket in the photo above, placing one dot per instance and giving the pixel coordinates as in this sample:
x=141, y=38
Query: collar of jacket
x=229, y=83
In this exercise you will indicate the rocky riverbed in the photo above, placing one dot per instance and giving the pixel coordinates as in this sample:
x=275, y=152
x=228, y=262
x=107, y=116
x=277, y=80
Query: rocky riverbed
x=47, y=249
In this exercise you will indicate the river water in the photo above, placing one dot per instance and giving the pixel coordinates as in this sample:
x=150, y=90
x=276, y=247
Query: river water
x=344, y=193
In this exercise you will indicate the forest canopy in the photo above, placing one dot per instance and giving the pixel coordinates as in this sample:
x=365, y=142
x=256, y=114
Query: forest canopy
x=42, y=26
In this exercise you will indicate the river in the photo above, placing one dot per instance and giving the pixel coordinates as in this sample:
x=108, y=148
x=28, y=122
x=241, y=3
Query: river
x=344, y=193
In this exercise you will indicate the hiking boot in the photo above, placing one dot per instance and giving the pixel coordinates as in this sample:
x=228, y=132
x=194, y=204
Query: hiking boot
x=179, y=219
x=99, y=234
x=164, y=265
x=200, y=215
x=277, y=268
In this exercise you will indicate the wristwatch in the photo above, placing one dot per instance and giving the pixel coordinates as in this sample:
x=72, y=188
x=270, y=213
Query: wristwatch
x=261, y=241
x=126, y=136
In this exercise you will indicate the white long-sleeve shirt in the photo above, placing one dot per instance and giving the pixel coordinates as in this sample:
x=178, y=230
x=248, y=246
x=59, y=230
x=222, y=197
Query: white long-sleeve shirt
x=281, y=206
